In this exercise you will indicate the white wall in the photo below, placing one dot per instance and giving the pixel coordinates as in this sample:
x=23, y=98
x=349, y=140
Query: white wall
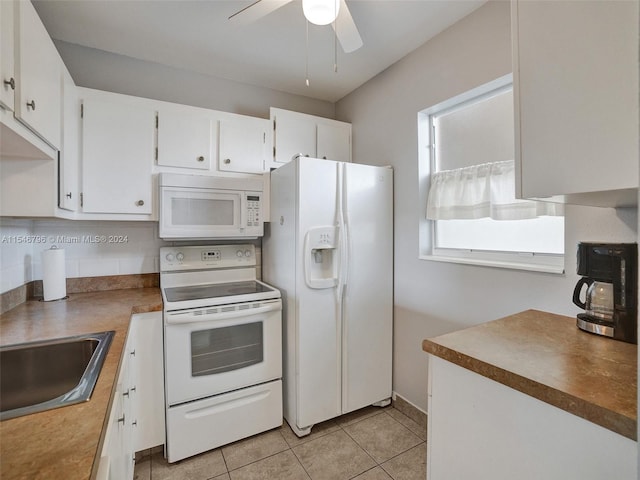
x=102, y=70
x=433, y=298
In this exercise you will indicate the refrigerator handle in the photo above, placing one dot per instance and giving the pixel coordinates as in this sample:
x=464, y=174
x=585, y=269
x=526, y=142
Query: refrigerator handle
x=341, y=232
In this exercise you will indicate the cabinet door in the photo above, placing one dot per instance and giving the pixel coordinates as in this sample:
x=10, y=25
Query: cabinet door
x=7, y=74
x=117, y=157
x=295, y=134
x=39, y=77
x=69, y=156
x=576, y=96
x=334, y=141
x=242, y=144
x=148, y=376
x=185, y=139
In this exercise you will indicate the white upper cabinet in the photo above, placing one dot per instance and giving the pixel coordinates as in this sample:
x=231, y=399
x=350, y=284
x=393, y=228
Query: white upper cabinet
x=575, y=67
x=38, y=69
x=69, y=195
x=310, y=136
x=7, y=45
x=118, y=143
x=294, y=134
x=334, y=141
x=185, y=138
x=242, y=144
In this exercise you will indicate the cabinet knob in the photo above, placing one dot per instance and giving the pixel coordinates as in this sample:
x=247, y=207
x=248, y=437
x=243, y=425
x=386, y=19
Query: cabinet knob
x=125, y=394
x=68, y=195
x=133, y=352
x=32, y=104
x=11, y=82
x=140, y=203
x=121, y=419
x=201, y=158
x=227, y=161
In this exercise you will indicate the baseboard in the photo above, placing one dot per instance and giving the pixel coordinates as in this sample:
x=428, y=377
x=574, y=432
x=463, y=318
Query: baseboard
x=409, y=409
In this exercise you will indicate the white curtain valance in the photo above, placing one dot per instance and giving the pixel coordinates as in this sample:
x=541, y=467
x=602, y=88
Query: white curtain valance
x=478, y=191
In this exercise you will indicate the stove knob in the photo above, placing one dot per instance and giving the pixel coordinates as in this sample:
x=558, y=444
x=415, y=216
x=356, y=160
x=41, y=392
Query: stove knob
x=180, y=256
x=169, y=257
x=239, y=253
x=247, y=253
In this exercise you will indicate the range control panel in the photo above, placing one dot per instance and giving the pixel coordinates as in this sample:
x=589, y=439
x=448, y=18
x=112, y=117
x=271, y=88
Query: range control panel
x=206, y=257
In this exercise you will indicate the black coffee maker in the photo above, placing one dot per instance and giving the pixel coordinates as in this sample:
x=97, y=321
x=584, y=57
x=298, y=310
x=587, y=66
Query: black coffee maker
x=609, y=270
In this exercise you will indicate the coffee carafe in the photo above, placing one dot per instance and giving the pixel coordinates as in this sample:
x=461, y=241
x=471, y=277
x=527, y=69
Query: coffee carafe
x=609, y=271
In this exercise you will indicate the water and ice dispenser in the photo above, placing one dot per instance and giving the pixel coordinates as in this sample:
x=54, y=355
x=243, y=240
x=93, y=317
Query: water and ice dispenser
x=321, y=257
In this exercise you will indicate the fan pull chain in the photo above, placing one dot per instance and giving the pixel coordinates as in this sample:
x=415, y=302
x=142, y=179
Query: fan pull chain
x=335, y=38
x=307, y=56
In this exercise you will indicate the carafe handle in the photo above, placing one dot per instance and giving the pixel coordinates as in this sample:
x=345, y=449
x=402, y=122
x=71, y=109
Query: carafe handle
x=576, y=291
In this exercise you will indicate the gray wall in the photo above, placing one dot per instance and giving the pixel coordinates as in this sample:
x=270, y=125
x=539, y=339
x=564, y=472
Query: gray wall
x=433, y=298
x=117, y=73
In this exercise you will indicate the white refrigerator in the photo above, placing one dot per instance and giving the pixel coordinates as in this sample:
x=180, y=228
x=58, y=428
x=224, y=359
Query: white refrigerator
x=329, y=249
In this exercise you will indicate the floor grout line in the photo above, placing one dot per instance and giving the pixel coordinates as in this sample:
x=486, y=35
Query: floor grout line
x=340, y=427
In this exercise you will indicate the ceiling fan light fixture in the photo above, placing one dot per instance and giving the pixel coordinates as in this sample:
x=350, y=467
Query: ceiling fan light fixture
x=321, y=12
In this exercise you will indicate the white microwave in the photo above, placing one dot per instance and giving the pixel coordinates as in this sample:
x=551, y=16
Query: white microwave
x=199, y=206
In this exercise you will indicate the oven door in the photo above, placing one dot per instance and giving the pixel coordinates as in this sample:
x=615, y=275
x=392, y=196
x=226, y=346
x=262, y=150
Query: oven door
x=218, y=349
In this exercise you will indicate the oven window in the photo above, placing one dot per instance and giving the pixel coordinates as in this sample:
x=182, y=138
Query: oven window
x=224, y=349
x=199, y=211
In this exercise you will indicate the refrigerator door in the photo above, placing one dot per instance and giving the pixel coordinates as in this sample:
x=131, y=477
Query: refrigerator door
x=367, y=311
x=318, y=352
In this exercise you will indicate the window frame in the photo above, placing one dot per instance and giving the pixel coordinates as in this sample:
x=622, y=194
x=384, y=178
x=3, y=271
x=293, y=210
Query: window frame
x=528, y=261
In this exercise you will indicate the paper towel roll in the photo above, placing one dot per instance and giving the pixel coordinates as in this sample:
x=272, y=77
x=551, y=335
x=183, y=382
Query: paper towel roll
x=54, y=278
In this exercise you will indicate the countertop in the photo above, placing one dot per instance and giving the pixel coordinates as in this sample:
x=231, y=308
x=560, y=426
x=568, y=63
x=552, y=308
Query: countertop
x=64, y=442
x=547, y=357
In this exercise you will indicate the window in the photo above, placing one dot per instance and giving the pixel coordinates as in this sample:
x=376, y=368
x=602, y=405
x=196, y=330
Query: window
x=467, y=187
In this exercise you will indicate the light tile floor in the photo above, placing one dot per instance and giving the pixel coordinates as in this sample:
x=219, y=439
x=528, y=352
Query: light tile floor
x=370, y=444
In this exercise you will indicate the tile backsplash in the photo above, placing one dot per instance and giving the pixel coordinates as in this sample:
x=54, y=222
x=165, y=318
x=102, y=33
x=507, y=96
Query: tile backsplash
x=92, y=248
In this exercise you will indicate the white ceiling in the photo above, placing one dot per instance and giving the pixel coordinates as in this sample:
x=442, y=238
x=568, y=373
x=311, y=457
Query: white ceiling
x=269, y=52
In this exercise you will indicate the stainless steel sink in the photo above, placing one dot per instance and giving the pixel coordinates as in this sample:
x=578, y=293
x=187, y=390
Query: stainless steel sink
x=38, y=376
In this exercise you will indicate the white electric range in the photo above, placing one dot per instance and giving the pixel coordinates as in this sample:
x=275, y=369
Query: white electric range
x=223, y=348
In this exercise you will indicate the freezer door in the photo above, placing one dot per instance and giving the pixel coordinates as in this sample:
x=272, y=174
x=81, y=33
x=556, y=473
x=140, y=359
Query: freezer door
x=318, y=362
x=367, y=326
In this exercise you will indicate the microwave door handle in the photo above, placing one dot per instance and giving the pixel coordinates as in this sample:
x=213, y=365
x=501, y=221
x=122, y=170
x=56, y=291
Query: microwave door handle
x=190, y=317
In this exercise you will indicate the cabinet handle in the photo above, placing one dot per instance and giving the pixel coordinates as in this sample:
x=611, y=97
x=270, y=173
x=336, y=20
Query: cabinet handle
x=121, y=420
x=201, y=158
x=68, y=195
x=133, y=389
x=227, y=161
x=140, y=203
x=133, y=352
x=32, y=104
x=134, y=423
x=11, y=82
x=125, y=394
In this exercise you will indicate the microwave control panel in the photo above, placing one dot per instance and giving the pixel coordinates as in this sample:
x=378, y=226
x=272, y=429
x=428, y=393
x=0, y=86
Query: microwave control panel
x=254, y=216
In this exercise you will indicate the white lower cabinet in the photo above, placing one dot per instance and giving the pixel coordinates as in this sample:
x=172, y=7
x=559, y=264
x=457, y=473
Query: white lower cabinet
x=136, y=418
x=479, y=428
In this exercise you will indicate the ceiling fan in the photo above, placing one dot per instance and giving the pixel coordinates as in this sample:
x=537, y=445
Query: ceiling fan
x=319, y=12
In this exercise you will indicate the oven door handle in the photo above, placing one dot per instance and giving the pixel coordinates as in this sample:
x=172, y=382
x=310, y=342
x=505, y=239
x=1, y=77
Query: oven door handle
x=176, y=318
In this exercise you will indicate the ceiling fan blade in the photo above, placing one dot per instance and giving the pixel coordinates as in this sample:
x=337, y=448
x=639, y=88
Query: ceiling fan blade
x=256, y=10
x=346, y=30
